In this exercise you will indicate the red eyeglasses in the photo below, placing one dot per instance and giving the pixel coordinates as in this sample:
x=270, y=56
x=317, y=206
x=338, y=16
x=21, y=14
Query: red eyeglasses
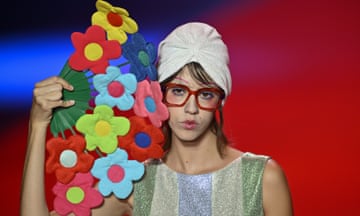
x=176, y=95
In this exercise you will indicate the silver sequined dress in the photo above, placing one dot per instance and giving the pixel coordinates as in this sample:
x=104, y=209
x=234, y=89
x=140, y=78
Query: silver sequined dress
x=235, y=189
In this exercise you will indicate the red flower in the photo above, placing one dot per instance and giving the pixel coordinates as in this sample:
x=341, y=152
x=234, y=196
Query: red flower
x=143, y=141
x=93, y=50
x=67, y=157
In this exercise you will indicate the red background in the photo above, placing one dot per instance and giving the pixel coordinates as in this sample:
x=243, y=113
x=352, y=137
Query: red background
x=296, y=91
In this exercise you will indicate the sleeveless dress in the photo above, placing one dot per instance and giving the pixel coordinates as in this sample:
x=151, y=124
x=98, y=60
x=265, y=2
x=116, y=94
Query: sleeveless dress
x=235, y=189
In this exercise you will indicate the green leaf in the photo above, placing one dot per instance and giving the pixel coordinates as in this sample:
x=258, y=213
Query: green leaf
x=65, y=118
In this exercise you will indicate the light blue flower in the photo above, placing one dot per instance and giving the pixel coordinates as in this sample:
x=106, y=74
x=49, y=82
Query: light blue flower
x=115, y=88
x=116, y=174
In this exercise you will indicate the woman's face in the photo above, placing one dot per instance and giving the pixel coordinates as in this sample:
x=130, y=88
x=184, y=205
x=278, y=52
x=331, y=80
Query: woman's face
x=189, y=122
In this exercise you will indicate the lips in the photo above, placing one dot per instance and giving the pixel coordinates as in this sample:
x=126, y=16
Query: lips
x=189, y=124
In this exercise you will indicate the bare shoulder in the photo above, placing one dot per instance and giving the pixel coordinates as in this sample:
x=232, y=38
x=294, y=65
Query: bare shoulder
x=276, y=192
x=273, y=173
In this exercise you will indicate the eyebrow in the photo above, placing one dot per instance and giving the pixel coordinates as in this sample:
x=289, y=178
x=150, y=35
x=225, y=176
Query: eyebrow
x=181, y=79
x=212, y=84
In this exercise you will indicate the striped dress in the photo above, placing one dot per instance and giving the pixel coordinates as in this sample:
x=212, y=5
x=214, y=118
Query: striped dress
x=235, y=189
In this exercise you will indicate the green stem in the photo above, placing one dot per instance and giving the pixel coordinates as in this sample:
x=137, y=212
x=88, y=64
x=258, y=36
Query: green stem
x=63, y=135
x=99, y=153
x=72, y=131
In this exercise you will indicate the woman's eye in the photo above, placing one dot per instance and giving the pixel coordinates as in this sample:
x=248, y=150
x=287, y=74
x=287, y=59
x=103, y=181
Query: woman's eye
x=178, y=91
x=207, y=95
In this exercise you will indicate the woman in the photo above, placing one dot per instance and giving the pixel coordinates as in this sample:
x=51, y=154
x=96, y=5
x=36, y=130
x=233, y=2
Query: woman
x=200, y=174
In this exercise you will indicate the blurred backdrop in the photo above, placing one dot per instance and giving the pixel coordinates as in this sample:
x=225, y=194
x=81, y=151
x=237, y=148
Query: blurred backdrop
x=296, y=83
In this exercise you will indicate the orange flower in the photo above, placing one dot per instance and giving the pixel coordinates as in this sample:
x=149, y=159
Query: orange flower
x=67, y=157
x=143, y=141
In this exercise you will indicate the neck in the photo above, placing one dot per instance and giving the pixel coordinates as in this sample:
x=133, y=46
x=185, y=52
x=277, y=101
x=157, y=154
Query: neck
x=195, y=157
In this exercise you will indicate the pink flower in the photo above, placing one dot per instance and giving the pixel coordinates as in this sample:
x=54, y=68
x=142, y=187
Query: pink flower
x=149, y=102
x=78, y=196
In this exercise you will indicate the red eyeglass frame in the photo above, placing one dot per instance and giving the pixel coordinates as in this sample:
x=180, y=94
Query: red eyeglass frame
x=170, y=85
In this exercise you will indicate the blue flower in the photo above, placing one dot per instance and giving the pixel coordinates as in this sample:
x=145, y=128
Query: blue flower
x=116, y=173
x=115, y=88
x=142, y=56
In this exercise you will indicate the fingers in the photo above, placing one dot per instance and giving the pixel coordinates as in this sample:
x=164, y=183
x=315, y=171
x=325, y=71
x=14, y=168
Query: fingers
x=48, y=105
x=55, y=80
x=48, y=93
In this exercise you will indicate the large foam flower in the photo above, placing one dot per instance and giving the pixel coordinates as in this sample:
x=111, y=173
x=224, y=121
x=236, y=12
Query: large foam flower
x=149, y=102
x=142, y=56
x=116, y=174
x=67, y=157
x=115, y=88
x=143, y=141
x=93, y=50
x=102, y=128
x=115, y=20
x=78, y=196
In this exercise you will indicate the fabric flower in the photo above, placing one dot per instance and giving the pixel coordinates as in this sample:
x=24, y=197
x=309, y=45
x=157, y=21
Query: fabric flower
x=93, y=50
x=114, y=20
x=78, y=196
x=148, y=102
x=102, y=128
x=66, y=157
x=115, y=89
x=142, y=56
x=143, y=141
x=116, y=174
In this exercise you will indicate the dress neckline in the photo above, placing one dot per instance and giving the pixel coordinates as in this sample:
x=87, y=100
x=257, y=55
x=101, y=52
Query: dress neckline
x=227, y=166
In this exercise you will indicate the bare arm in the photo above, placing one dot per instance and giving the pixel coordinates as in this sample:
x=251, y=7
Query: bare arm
x=276, y=193
x=47, y=95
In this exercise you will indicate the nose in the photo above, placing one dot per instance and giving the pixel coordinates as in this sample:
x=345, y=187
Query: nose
x=191, y=106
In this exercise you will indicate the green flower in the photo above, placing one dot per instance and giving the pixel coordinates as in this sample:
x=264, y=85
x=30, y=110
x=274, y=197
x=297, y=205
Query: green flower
x=102, y=128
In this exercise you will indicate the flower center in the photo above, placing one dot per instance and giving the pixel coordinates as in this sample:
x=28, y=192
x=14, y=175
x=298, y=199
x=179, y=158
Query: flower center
x=68, y=158
x=116, y=89
x=150, y=104
x=144, y=58
x=142, y=140
x=93, y=51
x=116, y=173
x=114, y=19
x=102, y=128
x=75, y=195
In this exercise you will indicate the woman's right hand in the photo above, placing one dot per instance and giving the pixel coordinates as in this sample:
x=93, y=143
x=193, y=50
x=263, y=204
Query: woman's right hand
x=47, y=95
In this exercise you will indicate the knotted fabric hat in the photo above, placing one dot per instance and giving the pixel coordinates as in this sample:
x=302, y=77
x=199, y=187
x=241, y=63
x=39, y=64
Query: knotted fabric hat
x=195, y=42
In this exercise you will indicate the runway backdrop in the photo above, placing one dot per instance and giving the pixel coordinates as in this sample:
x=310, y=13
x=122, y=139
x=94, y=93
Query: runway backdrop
x=296, y=76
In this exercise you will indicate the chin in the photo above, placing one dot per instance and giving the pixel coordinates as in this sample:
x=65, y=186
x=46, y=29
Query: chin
x=188, y=136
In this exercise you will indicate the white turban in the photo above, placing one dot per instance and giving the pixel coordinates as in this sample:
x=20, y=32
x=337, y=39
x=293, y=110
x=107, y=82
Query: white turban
x=195, y=42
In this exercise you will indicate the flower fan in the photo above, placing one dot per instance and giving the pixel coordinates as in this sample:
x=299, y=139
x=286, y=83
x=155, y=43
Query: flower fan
x=116, y=120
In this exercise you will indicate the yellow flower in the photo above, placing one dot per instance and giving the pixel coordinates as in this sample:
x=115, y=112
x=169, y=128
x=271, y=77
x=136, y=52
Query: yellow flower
x=114, y=20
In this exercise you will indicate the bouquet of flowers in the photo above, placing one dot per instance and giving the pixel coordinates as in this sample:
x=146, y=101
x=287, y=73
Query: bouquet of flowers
x=115, y=123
